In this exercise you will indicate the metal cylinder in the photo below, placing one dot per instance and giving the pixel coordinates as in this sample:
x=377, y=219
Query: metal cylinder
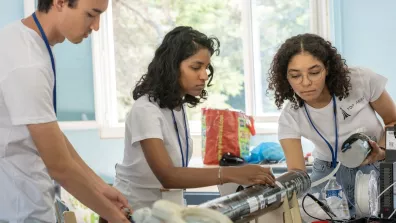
x=261, y=198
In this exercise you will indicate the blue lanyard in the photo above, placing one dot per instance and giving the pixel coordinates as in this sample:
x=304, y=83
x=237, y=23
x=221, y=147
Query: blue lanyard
x=50, y=53
x=184, y=161
x=333, y=152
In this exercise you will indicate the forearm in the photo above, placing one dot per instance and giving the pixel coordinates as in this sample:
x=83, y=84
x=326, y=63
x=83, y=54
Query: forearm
x=62, y=167
x=93, y=176
x=294, y=155
x=181, y=178
x=296, y=164
x=74, y=180
x=295, y=161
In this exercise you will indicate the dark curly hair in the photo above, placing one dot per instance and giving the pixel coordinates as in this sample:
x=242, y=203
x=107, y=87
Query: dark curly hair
x=337, y=79
x=161, y=82
x=45, y=5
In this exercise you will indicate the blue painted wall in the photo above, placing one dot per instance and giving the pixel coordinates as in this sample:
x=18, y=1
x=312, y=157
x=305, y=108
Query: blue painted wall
x=75, y=89
x=10, y=11
x=100, y=154
x=366, y=35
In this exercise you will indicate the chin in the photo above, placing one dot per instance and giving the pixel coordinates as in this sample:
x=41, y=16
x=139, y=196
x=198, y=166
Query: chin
x=195, y=94
x=310, y=98
x=76, y=40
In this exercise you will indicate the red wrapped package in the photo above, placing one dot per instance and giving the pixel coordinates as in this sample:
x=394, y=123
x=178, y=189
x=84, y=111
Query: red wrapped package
x=225, y=131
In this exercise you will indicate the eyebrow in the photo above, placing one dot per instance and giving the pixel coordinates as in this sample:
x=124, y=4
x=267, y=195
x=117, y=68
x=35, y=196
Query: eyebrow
x=296, y=70
x=199, y=62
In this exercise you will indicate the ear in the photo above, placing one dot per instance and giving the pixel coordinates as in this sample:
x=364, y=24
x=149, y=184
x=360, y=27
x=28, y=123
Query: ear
x=59, y=4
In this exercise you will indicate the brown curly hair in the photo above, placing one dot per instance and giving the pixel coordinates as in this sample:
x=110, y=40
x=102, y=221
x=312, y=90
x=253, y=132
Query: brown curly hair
x=337, y=79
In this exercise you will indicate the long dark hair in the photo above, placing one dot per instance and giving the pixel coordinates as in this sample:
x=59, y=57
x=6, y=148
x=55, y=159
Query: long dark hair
x=337, y=79
x=161, y=82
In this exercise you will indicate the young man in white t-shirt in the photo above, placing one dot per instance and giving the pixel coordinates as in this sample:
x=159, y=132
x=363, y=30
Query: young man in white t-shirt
x=33, y=150
x=323, y=94
x=158, y=145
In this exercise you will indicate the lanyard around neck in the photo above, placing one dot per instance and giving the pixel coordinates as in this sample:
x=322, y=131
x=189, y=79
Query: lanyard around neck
x=333, y=151
x=50, y=54
x=184, y=159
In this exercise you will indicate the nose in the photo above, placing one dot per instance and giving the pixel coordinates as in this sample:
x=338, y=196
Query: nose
x=305, y=80
x=203, y=75
x=95, y=23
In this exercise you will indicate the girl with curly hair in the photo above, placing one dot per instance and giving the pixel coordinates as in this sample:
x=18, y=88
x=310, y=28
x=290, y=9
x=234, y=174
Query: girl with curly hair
x=158, y=145
x=328, y=102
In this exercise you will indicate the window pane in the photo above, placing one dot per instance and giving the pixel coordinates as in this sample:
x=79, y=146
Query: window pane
x=74, y=81
x=139, y=27
x=276, y=21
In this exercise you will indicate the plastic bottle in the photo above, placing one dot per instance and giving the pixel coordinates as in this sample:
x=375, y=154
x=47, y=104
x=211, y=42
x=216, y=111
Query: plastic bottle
x=336, y=200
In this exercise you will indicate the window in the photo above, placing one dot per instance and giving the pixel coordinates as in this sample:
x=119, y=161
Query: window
x=250, y=31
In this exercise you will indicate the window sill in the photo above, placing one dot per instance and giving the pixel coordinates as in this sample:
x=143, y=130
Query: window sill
x=78, y=125
x=118, y=131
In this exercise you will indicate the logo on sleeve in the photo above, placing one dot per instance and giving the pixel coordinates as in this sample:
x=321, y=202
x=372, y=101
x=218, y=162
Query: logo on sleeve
x=345, y=114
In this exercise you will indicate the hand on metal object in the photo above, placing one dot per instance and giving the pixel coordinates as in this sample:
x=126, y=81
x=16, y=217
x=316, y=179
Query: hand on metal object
x=249, y=175
x=260, y=198
x=376, y=154
x=128, y=214
x=355, y=150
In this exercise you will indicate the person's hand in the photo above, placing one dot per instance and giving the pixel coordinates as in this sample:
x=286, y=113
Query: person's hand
x=376, y=154
x=116, y=216
x=121, y=203
x=126, y=213
x=249, y=174
x=116, y=197
x=118, y=219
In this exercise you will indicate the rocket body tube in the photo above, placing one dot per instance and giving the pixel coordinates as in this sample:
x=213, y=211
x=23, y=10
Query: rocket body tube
x=261, y=198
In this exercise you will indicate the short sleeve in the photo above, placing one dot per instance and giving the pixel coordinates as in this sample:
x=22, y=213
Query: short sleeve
x=288, y=127
x=28, y=95
x=375, y=84
x=145, y=122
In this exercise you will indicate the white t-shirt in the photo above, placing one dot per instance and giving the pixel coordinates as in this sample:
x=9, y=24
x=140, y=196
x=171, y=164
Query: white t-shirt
x=134, y=178
x=26, y=97
x=353, y=113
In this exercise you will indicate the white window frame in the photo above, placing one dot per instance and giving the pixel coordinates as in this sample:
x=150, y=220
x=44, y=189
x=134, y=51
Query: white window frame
x=29, y=7
x=105, y=77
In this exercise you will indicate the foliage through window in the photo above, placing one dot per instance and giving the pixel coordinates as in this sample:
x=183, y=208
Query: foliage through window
x=140, y=25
